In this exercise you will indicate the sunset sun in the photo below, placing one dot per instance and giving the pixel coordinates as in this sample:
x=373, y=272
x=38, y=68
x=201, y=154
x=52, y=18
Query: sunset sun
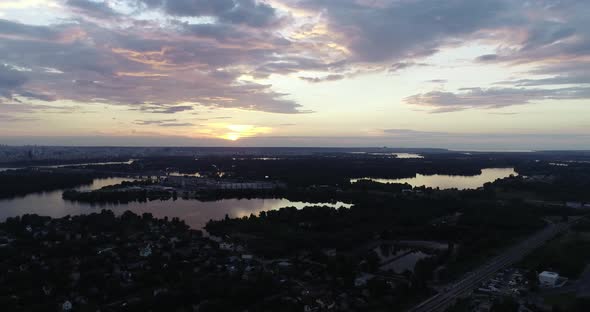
x=236, y=132
x=232, y=136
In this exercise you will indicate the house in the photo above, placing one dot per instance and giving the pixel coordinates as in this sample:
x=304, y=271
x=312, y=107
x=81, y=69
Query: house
x=329, y=252
x=284, y=264
x=226, y=246
x=146, y=251
x=363, y=279
x=548, y=279
x=575, y=205
x=66, y=306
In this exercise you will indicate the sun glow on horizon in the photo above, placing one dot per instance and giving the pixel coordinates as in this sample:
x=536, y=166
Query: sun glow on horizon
x=232, y=136
x=237, y=132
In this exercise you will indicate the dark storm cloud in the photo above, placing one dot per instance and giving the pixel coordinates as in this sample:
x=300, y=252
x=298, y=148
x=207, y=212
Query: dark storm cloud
x=28, y=31
x=405, y=29
x=548, y=34
x=555, y=39
x=228, y=33
x=294, y=64
x=92, y=8
x=10, y=79
x=247, y=12
x=221, y=32
x=442, y=102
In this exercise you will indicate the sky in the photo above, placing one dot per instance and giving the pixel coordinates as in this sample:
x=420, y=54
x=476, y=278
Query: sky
x=458, y=74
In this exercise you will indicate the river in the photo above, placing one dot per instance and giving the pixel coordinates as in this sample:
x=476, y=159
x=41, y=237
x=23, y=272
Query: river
x=451, y=181
x=195, y=213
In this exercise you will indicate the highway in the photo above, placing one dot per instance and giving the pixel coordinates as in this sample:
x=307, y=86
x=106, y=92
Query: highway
x=471, y=280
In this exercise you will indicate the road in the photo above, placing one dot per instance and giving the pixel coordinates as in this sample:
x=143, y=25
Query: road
x=471, y=280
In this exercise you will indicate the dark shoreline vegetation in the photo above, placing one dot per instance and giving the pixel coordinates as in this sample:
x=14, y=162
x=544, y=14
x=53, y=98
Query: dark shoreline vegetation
x=124, y=193
x=22, y=182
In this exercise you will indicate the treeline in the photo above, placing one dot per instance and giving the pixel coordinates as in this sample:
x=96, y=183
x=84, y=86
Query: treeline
x=289, y=230
x=565, y=182
x=22, y=182
x=125, y=192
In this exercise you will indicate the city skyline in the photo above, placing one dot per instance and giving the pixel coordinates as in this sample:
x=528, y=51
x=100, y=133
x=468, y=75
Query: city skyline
x=458, y=74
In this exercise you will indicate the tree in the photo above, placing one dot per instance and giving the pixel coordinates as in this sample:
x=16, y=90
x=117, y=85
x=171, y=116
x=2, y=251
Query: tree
x=506, y=305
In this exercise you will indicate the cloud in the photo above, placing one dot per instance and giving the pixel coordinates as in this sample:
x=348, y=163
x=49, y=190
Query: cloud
x=10, y=80
x=166, y=109
x=399, y=30
x=169, y=56
x=503, y=113
x=248, y=12
x=31, y=32
x=92, y=8
x=404, y=65
x=487, y=57
x=131, y=66
x=333, y=77
x=468, y=98
x=552, y=37
x=556, y=80
x=9, y=118
x=163, y=123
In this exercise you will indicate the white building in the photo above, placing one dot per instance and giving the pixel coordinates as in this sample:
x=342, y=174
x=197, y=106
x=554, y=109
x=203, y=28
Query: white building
x=67, y=306
x=548, y=279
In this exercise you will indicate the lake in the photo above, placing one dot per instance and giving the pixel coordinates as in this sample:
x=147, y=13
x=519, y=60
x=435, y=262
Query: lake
x=195, y=213
x=451, y=181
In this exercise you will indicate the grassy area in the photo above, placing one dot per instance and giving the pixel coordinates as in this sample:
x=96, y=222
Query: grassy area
x=565, y=302
x=567, y=255
x=507, y=194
